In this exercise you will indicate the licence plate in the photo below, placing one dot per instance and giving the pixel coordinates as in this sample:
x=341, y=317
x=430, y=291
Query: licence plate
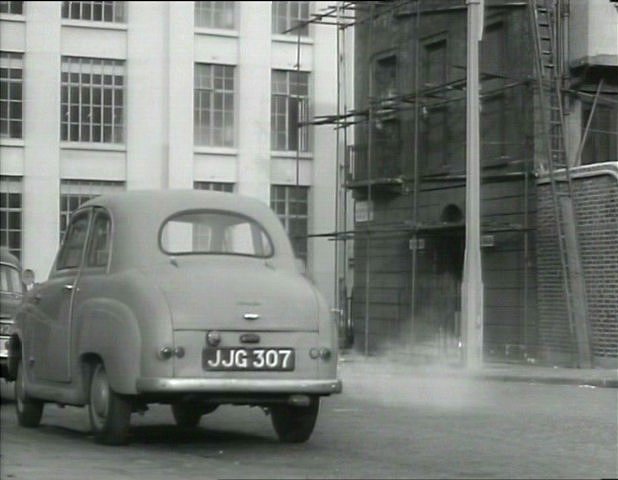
x=248, y=359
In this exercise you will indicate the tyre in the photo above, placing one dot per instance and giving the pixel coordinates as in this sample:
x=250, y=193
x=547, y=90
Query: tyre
x=188, y=415
x=29, y=410
x=109, y=412
x=295, y=424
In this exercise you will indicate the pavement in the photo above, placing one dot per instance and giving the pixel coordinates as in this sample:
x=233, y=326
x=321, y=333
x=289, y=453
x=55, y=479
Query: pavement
x=353, y=363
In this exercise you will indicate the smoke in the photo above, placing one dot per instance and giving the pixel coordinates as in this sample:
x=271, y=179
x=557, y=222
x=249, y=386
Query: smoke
x=400, y=378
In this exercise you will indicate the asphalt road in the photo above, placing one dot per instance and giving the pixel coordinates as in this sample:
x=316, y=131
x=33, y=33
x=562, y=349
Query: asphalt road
x=398, y=426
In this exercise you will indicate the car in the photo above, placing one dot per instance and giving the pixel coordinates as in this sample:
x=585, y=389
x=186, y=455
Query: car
x=11, y=293
x=188, y=298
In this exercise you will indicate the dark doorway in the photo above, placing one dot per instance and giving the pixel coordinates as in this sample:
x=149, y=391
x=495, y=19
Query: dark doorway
x=437, y=323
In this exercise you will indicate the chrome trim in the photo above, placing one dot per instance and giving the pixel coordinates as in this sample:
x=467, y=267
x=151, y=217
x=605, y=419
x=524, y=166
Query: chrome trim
x=250, y=316
x=171, y=385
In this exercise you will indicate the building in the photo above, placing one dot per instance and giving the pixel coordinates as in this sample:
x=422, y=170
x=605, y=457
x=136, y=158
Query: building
x=549, y=178
x=108, y=96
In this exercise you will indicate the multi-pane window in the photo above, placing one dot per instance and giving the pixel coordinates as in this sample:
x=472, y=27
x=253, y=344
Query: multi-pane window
x=92, y=100
x=289, y=110
x=11, y=95
x=215, y=15
x=14, y=8
x=291, y=204
x=75, y=192
x=95, y=11
x=215, y=186
x=288, y=15
x=213, y=103
x=11, y=213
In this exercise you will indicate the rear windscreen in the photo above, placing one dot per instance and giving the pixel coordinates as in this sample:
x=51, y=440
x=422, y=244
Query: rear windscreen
x=214, y=232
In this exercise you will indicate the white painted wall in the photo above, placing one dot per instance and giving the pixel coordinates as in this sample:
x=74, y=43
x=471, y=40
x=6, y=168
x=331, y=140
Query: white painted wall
x=160, y=46
x=42, y=138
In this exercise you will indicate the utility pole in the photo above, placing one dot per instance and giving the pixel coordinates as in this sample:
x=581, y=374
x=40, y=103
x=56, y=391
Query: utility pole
x=472, y=286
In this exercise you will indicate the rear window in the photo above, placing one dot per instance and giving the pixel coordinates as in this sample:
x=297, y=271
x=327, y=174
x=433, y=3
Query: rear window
x=214, y=232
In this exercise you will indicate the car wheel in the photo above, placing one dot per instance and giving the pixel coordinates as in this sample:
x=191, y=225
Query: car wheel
x=109, y=412
x=29, y=410
x=295, y=424
x=188, y=415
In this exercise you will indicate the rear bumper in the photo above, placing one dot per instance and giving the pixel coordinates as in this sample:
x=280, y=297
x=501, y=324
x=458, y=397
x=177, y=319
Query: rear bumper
x=244, y=386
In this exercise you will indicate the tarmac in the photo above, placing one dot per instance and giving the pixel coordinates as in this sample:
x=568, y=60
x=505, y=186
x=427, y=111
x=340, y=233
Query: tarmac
x=351, y=363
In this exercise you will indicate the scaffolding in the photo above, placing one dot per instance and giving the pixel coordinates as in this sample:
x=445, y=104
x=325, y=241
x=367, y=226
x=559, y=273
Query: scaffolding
x=357, y=170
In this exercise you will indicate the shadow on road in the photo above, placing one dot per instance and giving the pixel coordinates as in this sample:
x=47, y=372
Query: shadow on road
x=173, y=435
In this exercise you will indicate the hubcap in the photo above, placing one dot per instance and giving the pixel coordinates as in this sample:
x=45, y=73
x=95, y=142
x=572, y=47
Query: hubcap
x=99, y=397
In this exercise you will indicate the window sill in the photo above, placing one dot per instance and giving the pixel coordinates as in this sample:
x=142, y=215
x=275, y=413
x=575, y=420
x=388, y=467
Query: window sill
x=104, y=147
x=218, y=32
x=292, y=155
x=12, y=142
x=291, y=38
x=216, y=150
x=13, y=17
x=97, y=25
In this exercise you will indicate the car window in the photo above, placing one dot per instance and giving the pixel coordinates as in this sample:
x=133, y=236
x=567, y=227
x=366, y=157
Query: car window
x=98, y=250
x=10, y=281
x=209, y=232
x=74, y=241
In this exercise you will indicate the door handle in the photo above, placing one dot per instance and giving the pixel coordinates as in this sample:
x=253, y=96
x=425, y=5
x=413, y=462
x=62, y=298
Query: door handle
x=68, y=287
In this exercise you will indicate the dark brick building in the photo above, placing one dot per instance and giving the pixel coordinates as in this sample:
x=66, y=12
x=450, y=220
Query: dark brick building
x=407, y=176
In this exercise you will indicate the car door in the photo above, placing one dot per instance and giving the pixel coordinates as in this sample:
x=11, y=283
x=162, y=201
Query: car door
x=50, y=356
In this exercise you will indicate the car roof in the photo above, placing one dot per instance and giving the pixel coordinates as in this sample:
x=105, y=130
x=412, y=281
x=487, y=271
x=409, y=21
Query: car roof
x=139, y=214
x=7, y=257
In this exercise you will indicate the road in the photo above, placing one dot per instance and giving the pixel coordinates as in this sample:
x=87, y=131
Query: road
x=382, y=426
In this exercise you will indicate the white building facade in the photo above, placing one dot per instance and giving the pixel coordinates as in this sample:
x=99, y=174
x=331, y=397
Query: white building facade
x=110, y=96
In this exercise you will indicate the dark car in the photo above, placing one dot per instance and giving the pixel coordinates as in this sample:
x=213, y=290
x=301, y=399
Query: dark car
x=11, y=294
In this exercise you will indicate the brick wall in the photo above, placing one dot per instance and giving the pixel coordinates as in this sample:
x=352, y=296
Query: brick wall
x=596, y=195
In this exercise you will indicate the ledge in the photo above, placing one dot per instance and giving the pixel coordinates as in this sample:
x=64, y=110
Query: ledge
x=93, y=24
x=205, y=150
x=101, y=147
x=216, y=32
x=12, y=142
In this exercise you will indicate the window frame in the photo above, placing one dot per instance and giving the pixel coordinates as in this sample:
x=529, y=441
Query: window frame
x=118, y=10
x=14, y=62
x=288, y=216
x=102, y=99
x=282, y=10
x=279, y=97
x=226, y=187
x=205, y=130
x=12, y=185
x=208, y=11
x=13, y=4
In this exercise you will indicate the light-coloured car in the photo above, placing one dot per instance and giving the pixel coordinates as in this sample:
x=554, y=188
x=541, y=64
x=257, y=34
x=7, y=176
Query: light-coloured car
x=187, y=298
x=11, y=292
